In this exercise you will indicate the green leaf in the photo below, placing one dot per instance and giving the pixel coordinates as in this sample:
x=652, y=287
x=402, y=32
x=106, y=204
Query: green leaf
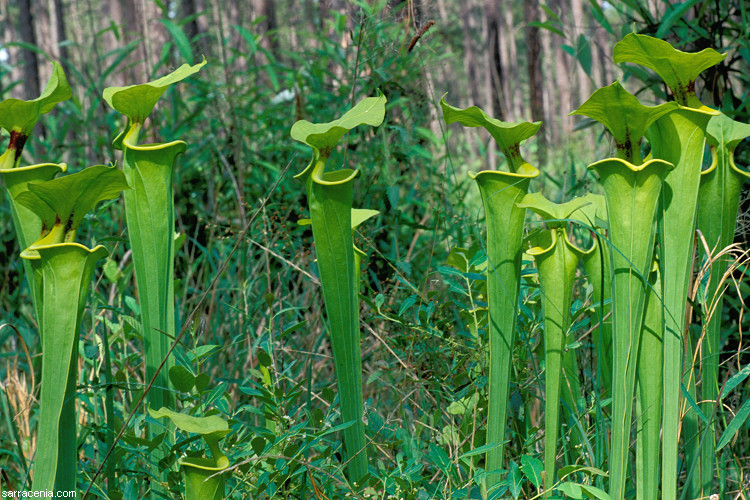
x=508, y=136
x=515, y=480
x=572, y=469
x=359, y=215
x=532, y=468
x=201, y=382
x=62, y=203
x=599, y=16
x=594, y=492
x=21, y=116
x=137, y=101
x=323, y=137
x=181, y=378
x=736, y=380
x=693, y=404
x=479, y=450
x=678, y=69
x=572, y=490
x=583, y=53
x=440, y=458
x=549, y=26
x=624, y=116
x=674, y=13
x=734, y=426
x=213, y=424
x=180, y=39
x=553, y=212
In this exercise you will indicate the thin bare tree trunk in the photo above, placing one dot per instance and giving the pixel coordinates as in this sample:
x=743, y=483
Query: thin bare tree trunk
x=470, y=57
x=29, y=58
x=494, y=75
x=188, y=12
x=534, y=61
x=470, y=67
x=62, y=48
x=550, y=92
x=515, y=110
x=584, y=83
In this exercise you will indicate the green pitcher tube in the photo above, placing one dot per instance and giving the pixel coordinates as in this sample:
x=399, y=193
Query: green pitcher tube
x=330, y=197
x=556, y=260
x=500, y=192
x=718, y=206
x=677, y=138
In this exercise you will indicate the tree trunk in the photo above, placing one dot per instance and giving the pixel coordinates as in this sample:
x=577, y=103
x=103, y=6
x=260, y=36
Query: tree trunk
x=470, y=57
x=551, y=118
x=30, y=60
x=494, y=74
x=188, y=13
x=584, y=83
x=515, y=109
x=534, y=61
x=62, y=47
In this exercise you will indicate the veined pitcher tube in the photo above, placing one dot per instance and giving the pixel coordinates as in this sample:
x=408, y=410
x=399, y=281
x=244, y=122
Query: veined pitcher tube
x=504, y=219
x=677, y=138
x=556, y=261
x=632, y=189
x=65, y=269
x=718, y=205
x=649, y=390
x=330, y=196
x=149, y=212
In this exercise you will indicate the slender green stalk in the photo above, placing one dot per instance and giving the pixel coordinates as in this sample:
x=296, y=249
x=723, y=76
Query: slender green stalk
x=649, y=391
x=330, y=196
x=632, y=191
x=556, y=260
x=718, y=204
x=65, y=268
x=677, y=138
x=504, y=219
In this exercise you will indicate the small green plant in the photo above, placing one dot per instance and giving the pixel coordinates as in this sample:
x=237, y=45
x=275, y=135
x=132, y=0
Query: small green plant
x=329, y=197
x=65, y=268
x=203, y=475
x=504, y=219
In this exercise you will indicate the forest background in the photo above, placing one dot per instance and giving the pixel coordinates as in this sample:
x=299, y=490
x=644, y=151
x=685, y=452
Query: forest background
x=271, y=63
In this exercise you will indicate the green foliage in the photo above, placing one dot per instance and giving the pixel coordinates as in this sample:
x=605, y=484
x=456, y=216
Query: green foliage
x=255, y=353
